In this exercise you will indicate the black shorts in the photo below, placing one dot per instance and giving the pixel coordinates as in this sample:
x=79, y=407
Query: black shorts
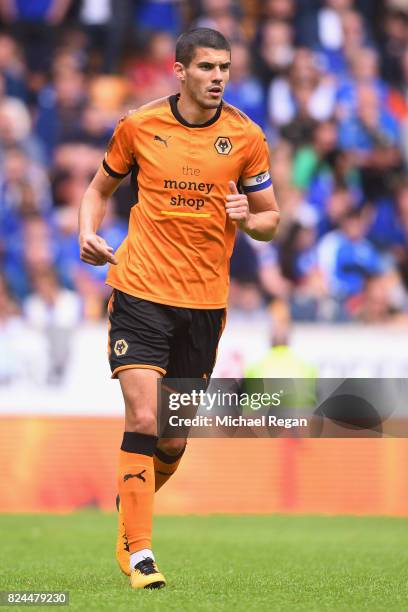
x=177, y=342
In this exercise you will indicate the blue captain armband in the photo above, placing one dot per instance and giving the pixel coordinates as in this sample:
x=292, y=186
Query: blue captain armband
x=256, y=183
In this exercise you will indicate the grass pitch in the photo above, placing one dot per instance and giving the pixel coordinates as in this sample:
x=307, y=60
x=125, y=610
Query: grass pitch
x=215, y=563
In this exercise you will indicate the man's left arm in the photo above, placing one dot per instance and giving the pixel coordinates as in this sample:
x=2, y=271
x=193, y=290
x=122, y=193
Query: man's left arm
x=256, y=213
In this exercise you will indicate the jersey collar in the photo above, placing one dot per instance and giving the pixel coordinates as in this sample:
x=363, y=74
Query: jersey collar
x=173, y=105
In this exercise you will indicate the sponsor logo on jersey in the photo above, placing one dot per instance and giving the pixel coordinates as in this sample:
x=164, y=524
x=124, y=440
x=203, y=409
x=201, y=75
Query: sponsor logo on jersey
x=182, y=200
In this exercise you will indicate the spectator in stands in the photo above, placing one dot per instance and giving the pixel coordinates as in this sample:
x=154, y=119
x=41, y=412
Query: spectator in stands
x=372, y=135
x=15, y=130
x=389, y=225
x=320, y=169
x=383, y=300
x=297, y=253
x=273, y=283
x=95, y=127
x=94, y=16
x=356, y=259
x=400, y=245
x=306, y=96
x=76, y=160
x=34, y=24
x=11, y=329
x=109, y=94
x=322, y=30
x=22, y=348
x=33, y=247
x=281, y=168
x=339, y=202
x=256, y=277
x=273, y=50
x=152, y=75
x=56, y=312
x=314, y=157
x=59, y=108
x=12, y=68
x=244, y=90
x=398, y=103
x=355, y=36
x=221, y=15
x=245, y=293
x=110, y=27
x=24, y=185
x=364, y=70
x=294, y=206
x=159, y=16
x=299, y=264
x=393, y=47
x=385, y=232
x=278, y=10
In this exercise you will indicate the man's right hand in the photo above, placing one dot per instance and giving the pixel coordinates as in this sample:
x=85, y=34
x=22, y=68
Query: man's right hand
x=95, y=250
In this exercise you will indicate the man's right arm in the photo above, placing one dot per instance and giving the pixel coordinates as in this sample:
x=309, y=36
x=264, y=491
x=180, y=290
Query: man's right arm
x=95, y=250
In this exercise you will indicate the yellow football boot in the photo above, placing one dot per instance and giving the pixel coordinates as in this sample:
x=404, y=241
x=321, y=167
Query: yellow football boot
x=145, y=575
x=122, y=547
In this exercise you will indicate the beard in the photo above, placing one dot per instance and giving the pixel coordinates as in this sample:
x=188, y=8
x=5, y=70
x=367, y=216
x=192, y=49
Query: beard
x=202, y=102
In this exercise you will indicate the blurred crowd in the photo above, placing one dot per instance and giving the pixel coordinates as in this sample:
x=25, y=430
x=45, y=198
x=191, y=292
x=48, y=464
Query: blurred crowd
x=326, y=79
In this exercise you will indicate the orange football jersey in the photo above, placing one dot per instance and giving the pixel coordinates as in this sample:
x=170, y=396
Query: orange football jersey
x=180, y=239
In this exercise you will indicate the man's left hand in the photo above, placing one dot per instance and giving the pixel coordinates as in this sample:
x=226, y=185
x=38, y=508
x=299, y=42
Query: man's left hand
x=237, y=206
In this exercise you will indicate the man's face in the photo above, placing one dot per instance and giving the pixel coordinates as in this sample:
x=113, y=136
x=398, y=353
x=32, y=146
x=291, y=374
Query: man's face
x=204, y=80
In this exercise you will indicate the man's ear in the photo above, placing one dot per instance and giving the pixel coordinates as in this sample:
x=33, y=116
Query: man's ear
x=179, y=71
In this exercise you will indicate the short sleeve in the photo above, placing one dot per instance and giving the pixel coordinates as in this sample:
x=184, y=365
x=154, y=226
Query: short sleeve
x=255, y=175
x=119, y=157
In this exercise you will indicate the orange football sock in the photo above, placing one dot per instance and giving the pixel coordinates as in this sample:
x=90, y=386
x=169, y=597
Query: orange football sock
x=164, y=466
x=136, y=482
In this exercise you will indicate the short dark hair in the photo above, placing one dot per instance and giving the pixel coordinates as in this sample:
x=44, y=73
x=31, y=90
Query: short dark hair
x=188, y=42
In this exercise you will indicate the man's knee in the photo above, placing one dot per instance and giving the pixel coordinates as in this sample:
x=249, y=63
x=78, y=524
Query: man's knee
x=139, y=388
x=172, y=446
x=142, y=421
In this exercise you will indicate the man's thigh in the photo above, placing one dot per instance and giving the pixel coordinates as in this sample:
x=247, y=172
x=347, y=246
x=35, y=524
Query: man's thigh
x=191, y=362
x=193, y=352
x=140, y=334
